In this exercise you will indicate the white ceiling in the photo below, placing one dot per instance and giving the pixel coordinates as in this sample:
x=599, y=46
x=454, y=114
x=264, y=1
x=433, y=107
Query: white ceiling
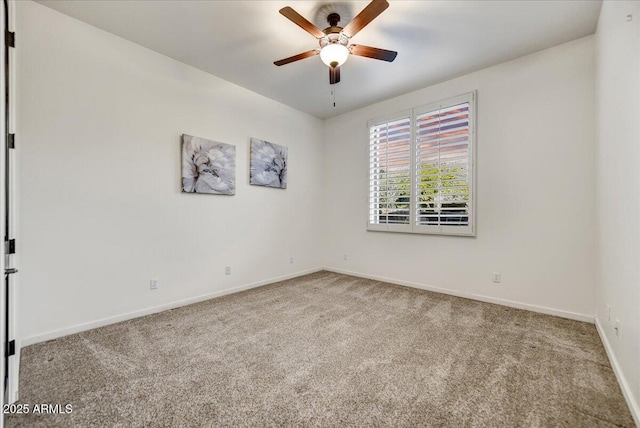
x=436, y=40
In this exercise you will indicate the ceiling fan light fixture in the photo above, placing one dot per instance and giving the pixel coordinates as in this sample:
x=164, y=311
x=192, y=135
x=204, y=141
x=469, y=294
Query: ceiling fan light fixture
x=334, y=40
x=334, y=54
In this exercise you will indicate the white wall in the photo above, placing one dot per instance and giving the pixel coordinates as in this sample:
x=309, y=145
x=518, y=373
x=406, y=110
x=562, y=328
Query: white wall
x=535, y=189
x=101, y=208
x=618, y=190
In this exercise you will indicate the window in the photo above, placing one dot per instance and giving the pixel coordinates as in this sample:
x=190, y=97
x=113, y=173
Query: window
x=421, y=169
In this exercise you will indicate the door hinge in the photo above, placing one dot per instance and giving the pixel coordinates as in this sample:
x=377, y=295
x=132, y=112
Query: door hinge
x=11, y=141
x=11, y=348
x=10, y=39
x=10, y=246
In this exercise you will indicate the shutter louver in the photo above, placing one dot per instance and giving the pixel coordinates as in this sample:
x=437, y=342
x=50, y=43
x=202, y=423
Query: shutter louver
x=443, y=166
x=390, y=172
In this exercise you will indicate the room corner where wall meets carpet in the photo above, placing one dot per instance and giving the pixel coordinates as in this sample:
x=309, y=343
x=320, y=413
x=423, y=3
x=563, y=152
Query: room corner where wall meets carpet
x=328, y=349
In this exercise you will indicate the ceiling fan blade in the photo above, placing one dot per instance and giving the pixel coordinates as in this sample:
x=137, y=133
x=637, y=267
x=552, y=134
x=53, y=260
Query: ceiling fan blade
x=375, y=53
x=334, y=75
x=298, y=57
x=368, y=14
x=302, y=22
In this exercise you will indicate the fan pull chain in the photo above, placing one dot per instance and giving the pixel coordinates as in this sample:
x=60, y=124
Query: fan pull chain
x=333, y=94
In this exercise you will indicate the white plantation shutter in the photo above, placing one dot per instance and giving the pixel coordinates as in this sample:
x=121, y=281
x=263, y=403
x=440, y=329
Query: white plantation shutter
x=443, y=166
x=421, y=169
x=390, y=174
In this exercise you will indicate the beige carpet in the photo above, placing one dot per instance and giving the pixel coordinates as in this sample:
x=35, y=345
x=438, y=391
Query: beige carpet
x=328, y=350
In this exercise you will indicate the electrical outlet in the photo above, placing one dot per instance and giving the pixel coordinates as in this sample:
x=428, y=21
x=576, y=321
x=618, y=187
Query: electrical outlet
x=153, y=285
x=497, y=277
x=227, y=270
x=617, y=328
x=291, y=260
x=345, y=257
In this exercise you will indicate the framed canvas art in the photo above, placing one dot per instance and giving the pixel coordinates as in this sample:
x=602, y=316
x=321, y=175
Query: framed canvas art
x=208, y=166
x=268, y=164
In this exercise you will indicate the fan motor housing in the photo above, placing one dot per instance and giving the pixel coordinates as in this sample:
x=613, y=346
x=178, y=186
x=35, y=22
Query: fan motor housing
x=333, y=28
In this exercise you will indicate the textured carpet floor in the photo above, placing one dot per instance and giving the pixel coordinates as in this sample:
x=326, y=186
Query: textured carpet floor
x=327, y=350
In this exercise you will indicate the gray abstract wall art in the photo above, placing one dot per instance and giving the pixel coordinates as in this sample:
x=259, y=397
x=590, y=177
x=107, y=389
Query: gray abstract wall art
x=208, y=166
x=268, y=164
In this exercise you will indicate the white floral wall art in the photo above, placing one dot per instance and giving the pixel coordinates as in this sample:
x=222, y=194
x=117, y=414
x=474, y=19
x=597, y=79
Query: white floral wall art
x=208, y=166
x=268, y=164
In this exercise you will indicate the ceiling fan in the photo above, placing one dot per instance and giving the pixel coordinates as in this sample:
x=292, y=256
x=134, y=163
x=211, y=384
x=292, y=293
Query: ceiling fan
x=334, y=40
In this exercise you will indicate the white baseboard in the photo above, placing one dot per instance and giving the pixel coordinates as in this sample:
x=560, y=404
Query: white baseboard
x=152, y=310
x=155, y=309
x=487, y=299
x=632, y=402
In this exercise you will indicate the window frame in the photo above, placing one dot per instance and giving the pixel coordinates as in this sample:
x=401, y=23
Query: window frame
x=412, y=114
